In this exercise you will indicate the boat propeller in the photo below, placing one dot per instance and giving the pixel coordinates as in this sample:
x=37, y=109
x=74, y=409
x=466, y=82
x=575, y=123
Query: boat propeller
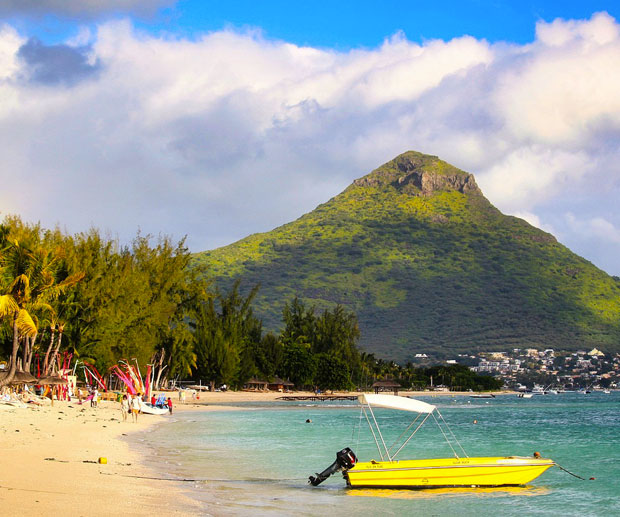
x=345, y=459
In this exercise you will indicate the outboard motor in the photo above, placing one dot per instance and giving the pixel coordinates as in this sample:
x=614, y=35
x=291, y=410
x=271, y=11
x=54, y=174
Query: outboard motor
x=345, y=459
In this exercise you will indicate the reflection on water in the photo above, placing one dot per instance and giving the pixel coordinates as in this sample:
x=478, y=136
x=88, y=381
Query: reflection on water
x=429, y=493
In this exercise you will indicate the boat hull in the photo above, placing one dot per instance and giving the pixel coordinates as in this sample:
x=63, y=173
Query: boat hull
x=447, y=472
x=150, y=409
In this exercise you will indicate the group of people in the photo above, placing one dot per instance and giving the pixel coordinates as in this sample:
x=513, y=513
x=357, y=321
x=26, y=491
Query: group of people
x=131, y=404
x=161, y=402
x=182, y=393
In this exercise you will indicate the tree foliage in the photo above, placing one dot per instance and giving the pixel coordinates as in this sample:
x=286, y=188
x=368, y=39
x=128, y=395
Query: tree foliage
x=89, y=298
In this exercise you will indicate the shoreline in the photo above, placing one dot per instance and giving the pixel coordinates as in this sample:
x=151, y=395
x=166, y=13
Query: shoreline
x=233, y=397
x=49, y=461
x=49, y=464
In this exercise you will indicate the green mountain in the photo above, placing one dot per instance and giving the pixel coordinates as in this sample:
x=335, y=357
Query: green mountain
x=429, y=265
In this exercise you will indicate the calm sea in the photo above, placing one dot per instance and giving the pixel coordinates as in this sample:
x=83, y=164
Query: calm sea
x=257, y=461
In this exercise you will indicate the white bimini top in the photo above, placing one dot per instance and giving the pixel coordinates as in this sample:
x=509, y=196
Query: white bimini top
x=396, y=402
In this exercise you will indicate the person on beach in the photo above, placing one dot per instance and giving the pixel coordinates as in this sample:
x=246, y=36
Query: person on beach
x=125, y=407
x=169, y=405
x=93, y=401
x=136, y=405
x=153, y=399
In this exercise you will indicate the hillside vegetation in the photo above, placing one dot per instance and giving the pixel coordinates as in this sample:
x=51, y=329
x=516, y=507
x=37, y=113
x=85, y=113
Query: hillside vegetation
x=429, y=265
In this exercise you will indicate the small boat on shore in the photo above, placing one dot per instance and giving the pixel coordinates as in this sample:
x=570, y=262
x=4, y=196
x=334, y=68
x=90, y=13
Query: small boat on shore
x=458, y=471
x=150, y=409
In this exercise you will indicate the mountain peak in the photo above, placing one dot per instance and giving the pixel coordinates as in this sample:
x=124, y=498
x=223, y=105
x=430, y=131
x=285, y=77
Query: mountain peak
x=429, y=265
x=420, y=174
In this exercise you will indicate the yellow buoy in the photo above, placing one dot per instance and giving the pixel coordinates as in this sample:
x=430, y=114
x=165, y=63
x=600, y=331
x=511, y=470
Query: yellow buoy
x=103, y=461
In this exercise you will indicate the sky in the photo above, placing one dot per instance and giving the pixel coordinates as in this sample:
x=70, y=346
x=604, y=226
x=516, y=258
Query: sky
x=219, y=119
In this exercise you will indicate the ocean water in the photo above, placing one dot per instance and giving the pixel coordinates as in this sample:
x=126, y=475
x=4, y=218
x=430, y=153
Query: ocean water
x=256, y=461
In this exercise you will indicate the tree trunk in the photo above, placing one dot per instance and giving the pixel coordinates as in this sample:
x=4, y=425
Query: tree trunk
x=161, y=370
x=49, y=349
x=30, y=353
x=55, y=353
x=13, y=360
x=159, y=366
x=25, y=349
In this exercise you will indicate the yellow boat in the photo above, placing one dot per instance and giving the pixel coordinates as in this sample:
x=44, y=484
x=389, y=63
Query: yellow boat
x=447, y=472
x=458, y=471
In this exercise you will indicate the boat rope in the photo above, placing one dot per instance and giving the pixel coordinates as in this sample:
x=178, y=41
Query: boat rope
x=572, y=474
x=202, y=480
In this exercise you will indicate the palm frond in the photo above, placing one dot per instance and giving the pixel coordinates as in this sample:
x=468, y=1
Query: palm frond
x=21, y=285
x=8, y=305
x=25, y=324
x=57, y=289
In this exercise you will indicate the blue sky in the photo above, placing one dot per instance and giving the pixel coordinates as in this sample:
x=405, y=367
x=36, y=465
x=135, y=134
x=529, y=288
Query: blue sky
x=348, y=23
x=341, y=25
x=218, y=119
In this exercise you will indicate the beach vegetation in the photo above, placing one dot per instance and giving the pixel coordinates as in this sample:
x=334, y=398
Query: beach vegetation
x=225, y=335
x=67, y=299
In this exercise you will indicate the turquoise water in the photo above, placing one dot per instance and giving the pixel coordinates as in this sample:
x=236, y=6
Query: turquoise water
x=256, y=461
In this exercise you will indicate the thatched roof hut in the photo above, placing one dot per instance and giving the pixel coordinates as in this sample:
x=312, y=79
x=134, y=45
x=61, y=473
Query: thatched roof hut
x=386, y=385
x=256, y=384
x=278, y=384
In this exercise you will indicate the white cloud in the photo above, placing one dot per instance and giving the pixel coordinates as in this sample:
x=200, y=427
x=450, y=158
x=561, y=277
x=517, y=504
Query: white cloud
x=596, y=228
x=231, y=133
x=10, y=42
x=561, y=90
x=529, y=175
x=536, y=221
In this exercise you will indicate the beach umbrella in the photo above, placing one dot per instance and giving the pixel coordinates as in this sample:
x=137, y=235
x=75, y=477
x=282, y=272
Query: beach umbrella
x=22, y=378
x=52, y=380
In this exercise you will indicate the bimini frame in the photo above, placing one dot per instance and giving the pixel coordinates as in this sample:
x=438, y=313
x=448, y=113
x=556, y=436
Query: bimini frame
x=368, y=401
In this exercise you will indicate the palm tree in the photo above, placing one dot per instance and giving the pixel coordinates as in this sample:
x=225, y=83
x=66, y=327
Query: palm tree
x=27, y=285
